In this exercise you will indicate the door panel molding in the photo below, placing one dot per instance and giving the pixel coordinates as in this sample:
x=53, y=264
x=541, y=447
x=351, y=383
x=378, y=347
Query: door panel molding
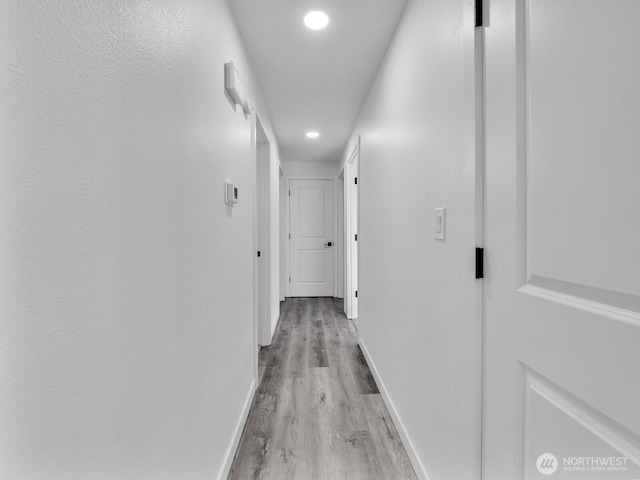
x=555, y=229
x=544, y=400
x=613, y=305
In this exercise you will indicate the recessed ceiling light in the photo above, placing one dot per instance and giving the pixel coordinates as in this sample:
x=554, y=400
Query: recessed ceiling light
x=313, y=134
x=316, y=19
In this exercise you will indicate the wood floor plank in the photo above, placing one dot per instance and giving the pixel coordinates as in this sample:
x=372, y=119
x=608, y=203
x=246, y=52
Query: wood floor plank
x=274, y=374
x=349, y=411
x=315, y=305
x=297, y=363
x=315, y=415
x=366, y=384
x=287, y=458
x=256, y=439
x=322, y=461
x=263, y=354
x=392, y=456
x=359, y=456
x=261, y=370
x=362, y=373
x=317, y=345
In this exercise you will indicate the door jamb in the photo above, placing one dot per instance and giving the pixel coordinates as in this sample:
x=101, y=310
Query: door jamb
x=474, y=159
x=350, y=230
x=283, y=233
x=341, y=272
x=263, y=220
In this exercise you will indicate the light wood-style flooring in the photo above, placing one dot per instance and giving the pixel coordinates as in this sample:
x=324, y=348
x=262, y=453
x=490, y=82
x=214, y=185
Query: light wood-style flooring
x=318, y=413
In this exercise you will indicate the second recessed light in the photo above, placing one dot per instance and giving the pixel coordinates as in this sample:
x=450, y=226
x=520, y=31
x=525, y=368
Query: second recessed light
x=313, y=134
x=316, y=19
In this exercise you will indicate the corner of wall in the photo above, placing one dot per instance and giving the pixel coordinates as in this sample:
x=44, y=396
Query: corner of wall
x=419, y=468
x=235, y=441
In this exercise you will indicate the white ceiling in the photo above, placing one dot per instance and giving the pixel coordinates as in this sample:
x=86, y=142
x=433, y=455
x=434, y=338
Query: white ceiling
x=315, y=80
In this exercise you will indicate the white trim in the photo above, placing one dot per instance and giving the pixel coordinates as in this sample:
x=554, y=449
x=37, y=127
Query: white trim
x=597, y=308
x=287, y=183
x=472, y=341
x=421, y=472
x=283, y=233
x=340, y=235
x=235, y=441
x=351, y=167
x=287, y=235
x=255, y=299
x=335, y=237
x=263, y=227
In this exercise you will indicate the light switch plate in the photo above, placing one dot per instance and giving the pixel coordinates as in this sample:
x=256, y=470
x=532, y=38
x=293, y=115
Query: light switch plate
x=231, y=193
x=441, y=223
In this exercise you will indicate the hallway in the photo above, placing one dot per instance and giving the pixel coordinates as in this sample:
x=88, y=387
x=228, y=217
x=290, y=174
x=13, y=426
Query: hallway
x=464, y=174
x=318, y=413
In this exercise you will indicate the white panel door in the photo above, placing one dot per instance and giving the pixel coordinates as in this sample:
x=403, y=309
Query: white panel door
x=562, y=245
x=311, y=244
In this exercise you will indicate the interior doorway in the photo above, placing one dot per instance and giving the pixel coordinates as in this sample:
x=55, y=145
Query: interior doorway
x=341, y=271
x=263, y=234
x=351, y=222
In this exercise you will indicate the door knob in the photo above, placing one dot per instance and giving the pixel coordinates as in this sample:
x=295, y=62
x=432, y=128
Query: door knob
x=328, y=244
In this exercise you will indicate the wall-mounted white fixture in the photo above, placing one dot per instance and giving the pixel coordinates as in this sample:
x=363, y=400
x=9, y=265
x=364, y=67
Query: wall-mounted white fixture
x=231, y=197
x=313, y=134
x=441, y=223
x=233, y=84
x=316, y=19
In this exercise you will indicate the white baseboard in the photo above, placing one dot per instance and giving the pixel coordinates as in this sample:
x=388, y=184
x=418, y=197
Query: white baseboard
x=406, y=440
x=274, y=324
x=224, y=473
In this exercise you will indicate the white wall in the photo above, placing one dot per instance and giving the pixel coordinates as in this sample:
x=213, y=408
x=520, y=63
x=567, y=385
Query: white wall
x=311, y=169
x=416, y=293
x=127, y=324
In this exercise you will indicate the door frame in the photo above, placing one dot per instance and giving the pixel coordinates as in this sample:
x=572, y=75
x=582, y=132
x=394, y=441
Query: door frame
x=341, y=271
x=287, y=195
x=283, y=225
x=474, y=161
x=262, y=237
x=351, y=224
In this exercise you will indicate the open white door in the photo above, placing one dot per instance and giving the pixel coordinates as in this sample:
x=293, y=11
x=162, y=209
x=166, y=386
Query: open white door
x=562, y=288
x=312, y=239
x=351, y=197
x=355, y=222
x=263, y=229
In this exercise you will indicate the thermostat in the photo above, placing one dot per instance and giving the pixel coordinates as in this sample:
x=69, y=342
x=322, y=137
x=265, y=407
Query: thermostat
x=231, y=193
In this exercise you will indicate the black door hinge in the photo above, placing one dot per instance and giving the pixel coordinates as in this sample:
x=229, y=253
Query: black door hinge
x=479, y=262
x=356, y=293
x=258, y=252
x=479, y=13
x=356, y=237
x=355, y=180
